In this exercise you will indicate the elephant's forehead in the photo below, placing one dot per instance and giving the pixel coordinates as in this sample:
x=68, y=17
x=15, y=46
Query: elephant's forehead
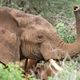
x=43, y=28
x=39, y=24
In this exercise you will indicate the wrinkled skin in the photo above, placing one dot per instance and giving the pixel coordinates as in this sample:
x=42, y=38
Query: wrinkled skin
x=9, y=42
x=39, y=39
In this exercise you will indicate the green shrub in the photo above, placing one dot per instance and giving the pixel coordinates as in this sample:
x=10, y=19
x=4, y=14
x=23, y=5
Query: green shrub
x=65, y=32
x=32, y=77
x=70, y=72
x=11, y=72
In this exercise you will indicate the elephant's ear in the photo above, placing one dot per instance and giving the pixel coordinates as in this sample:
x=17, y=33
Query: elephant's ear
x=9, y=41
x=32, y=35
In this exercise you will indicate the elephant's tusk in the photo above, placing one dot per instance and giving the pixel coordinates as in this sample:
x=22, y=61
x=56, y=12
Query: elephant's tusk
x=55, y=65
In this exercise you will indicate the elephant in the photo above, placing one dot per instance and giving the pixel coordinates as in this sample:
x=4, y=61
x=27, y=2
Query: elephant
x=9, y=42
x=39, y=40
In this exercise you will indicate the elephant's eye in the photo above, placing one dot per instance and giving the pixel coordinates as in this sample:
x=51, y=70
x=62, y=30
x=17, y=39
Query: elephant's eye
x=40, y=36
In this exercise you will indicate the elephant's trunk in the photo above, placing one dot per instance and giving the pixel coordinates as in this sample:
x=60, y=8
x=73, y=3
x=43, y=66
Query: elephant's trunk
x=73, y=48
x=56, y=48
x=68, y=48
x=77, y=17
x=60, y=46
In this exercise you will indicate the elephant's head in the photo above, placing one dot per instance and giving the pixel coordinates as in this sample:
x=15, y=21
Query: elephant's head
x=39, y=39
x=35, y=33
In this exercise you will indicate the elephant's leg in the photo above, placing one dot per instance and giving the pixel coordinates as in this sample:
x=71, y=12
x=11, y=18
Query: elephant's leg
x=30, y=64
x=25, y=64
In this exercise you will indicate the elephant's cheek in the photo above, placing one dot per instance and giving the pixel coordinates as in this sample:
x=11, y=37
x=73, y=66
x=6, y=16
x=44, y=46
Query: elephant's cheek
x=46, y=50
x=27, y=50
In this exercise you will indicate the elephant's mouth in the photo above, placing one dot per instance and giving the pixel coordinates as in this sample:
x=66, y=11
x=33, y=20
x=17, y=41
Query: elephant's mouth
x=37, y=56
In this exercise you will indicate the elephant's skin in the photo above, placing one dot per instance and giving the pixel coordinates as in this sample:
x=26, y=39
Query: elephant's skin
x=9, y=42
x=39, y=39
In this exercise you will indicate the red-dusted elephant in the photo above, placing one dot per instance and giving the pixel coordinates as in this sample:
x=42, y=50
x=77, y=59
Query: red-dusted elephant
x=39, y=39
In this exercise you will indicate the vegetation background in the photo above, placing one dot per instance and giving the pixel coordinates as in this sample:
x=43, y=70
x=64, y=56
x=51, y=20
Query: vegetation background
x=55, y=11
x=60, y=14
x=52, y=10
